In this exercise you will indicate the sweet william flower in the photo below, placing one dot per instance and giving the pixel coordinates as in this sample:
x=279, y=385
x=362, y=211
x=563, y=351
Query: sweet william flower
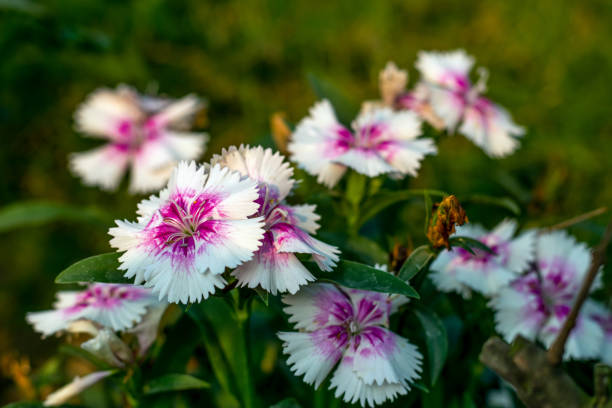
x=348, y=329
x=460, y=104
x=482, y=271
x=144, y=133
x=536, y=305
x=186, y=236
x=288, y=228
x=382, y=141
x=118, y=307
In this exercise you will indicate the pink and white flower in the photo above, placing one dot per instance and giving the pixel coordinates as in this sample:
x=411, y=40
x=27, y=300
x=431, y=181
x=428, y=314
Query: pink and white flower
x=349, y=328
x=459, y=103
x=537, y=304
x=146, y=134
x=288, y=228
x=382, y=141
x=118, y=307
x=186, y=236
x=482, y=271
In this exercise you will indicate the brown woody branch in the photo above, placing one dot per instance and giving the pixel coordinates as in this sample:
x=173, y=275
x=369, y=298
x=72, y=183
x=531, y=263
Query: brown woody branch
x=555, y=353
x=537, y=382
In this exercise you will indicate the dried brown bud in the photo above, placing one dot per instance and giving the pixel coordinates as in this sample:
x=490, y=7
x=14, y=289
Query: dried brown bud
x=447, y=213
x=280, y=131
x=392, y=82
x=398, y=256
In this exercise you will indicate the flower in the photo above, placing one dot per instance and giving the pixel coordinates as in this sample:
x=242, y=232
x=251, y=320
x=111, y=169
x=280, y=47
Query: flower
x=382, y=142
x=349, y=328
x=446, y=87
x=77, y=385
x=287, y=228
x=116, y=306
x=186, y=236
x=145, y=133
x=482, y=271
x=536, y=305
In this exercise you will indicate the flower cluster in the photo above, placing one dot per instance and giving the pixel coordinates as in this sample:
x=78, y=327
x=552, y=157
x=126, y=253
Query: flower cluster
x=348, y=329
x=227, y=214
x=287, y=228
x=147, y=134
x=446, y=98
x=101, y=311
x=533, y=280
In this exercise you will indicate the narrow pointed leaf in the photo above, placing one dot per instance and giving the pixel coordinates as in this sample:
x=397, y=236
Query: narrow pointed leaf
x=416, y=262
x=174, y=382
x=98, y=268
x=359, y=276
x=435, y=339
x=468, y=244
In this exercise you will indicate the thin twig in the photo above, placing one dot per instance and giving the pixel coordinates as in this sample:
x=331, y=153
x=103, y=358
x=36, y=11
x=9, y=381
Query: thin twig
x=555, y=353
x=577, y=219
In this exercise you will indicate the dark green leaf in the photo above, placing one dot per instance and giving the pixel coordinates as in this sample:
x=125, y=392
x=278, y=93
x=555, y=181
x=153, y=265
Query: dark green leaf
x=262, y=294
x=225, y=334
x=359, y=276
x=174, y=382
x=435, y=339
x=346, y=110
x=36, y=213
x=383, y=199
x=469, y=244
x=416, y=262
x=98, y=268
x=503, y=202
x=419, y=385
x=286, y=403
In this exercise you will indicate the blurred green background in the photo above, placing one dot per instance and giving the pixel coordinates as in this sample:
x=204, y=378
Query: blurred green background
x=550, y=64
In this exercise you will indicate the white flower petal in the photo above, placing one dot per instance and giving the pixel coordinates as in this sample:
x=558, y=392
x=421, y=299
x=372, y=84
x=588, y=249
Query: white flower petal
x=445, y=68
x=104, y=111
x=262, y=165
x=312, y=355
x=103, y=166
x=491, y=128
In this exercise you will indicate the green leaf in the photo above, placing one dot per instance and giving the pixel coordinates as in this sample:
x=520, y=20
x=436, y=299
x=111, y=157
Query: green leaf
x=286, y=403
x=383, y=199
x=359, y=276
x=263, y=295
x=37, y=213
x=346, y=110
x=225, y=334
x=469, y=244
x=503, y=202
x=174, y=382
x=435, y=339
x=98, y=268
x=416, y=262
